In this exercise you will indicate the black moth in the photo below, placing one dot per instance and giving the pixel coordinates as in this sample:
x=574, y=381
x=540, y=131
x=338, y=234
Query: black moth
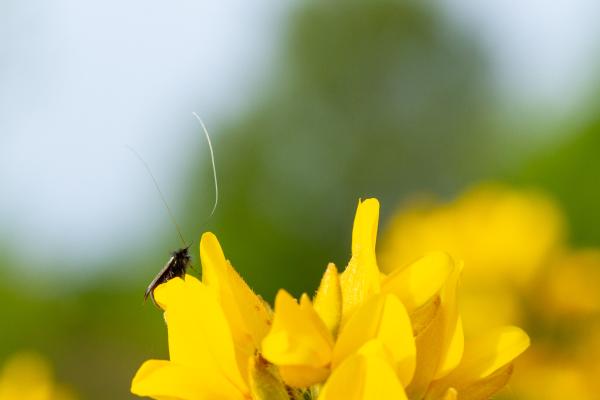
x=179, y=262
x=175, y=267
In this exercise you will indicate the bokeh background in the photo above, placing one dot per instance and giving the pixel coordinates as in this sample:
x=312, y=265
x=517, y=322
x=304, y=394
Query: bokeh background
x=311, y=106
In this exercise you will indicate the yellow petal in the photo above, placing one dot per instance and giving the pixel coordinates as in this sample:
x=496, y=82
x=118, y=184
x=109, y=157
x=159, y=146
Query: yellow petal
x=453, y=350
x=363, y=377
x=429, y=346
x=245, y=311
x=298, y=337
x=489, y=353
x=453, y=335
x=328, y=300
x=302, y=376
x=482, y=389
x=265, y=381
x=383, y=317
x=485, y=388
x=450, y=394
x=376, y=348
x=419, y=282
x=423, y=317
x=361, y=278
x=486, y=365
x=199, y=335
x=440, y=345
x=167, y=380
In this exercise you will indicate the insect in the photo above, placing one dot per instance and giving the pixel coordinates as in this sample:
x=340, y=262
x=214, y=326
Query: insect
x=180, y=259
x=176, y=267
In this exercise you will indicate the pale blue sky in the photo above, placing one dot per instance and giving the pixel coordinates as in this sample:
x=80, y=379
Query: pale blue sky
x=79, y=80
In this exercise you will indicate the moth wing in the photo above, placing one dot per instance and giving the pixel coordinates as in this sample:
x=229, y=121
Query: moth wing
x=157, y=279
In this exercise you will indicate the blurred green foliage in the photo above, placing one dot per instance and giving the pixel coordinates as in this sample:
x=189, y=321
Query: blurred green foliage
x=369, y=99
x=96, y=339
x=570, y=170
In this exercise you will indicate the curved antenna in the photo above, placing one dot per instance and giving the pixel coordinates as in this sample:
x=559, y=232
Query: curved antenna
x=212, y=160
x=162, y=197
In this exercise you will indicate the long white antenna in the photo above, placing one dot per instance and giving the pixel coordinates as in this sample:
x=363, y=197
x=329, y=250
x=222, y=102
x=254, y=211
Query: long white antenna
x=162, y=197
x=212, y=160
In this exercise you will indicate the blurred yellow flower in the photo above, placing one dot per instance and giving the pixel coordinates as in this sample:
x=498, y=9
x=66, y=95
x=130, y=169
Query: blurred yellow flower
x=518, y=264
x=501, y=234
x=365, y=335
x=505, y=237
x=570, y=286
x=27, y=376
x=550, y=376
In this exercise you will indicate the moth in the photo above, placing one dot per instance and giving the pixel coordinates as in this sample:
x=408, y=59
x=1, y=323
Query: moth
x=176, y=267
x=180, y=259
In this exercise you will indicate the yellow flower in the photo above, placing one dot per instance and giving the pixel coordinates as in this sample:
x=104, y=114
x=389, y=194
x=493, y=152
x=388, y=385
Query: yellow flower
x=27, y=376
x=365, y=335
x=518, y=268
x=214, y=327
x=486, y=227
x=552, y=377
x=570, y=286
x=505, y=238
x=396, y=336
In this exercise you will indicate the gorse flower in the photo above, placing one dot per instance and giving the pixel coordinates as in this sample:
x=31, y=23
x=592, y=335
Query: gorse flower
x=398, y=335
x=215, y=328
x=27, y=376
x=518, y=269
x=505, y=237
x=479, y=227
x=364, y=335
